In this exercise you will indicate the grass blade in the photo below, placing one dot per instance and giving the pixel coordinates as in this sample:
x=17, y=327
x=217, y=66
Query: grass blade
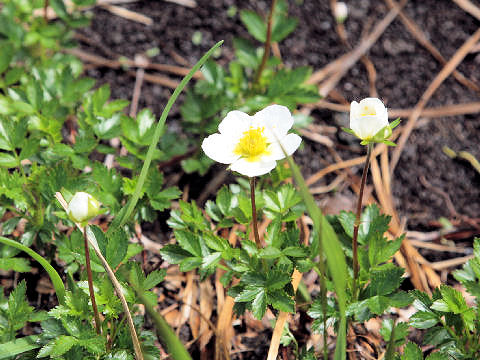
x=123, y=216
x=56, y=280
x=333, y=252
x=18, y=346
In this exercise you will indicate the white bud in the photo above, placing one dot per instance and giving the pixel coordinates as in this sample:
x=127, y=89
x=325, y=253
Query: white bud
x=340, y=12
x=368, y=117
x=83, y=207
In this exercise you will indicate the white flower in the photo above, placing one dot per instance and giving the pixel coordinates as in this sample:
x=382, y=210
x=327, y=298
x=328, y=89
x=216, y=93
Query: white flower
x=340, y=12
x=82, y=207
x=251, y=144
x=368, y=117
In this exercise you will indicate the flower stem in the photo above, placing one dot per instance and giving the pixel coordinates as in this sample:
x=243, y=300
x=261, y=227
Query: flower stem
x=254, y=212
x=357, y=223
x=90, y=285
x=268, y=41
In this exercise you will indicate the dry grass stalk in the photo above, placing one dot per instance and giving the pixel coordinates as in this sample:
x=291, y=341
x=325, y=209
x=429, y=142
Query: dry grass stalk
x=434, y=112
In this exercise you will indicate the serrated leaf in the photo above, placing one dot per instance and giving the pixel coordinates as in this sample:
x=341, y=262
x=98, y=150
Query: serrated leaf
x=453, y=299
x=116, y=247
x=282, y=301
x=188, y=241
x=211, y=260
x=174, y=254
x=190, y=263
x=259, y=305
x=154, y=278
x=15, y=264
x=423, y=320
x=277, y=280
x=412, y=352
x=385, y=279
x=248, y=294
x=255, y=25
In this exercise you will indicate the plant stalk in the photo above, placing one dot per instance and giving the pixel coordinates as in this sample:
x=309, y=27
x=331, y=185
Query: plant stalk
x=357, y=223
x=254, y=213
x=90, y=285
x=268, y=42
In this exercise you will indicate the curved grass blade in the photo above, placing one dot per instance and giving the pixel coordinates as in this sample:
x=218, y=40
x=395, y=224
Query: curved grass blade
x=333, y=251
x=18, y=346
x=56, y=280
x=123, y=216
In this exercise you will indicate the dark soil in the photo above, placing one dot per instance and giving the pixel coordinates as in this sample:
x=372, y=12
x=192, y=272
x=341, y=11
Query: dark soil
x=404, y=71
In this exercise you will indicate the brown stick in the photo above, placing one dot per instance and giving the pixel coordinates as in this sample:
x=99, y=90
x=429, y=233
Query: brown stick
x=440, y=111
x=266, y=49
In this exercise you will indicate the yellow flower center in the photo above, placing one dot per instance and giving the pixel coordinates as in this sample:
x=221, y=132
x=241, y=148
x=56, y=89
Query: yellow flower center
x=368, y=111
x=252, y=144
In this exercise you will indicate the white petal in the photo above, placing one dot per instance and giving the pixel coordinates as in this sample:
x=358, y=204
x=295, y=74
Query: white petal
x=78, y=206
x=354, y=109
x=371, y=101
x=276, y=119
x=219, y=147
x=255, y=168
x=290, y=143
x=235, y=123
x=367, y=126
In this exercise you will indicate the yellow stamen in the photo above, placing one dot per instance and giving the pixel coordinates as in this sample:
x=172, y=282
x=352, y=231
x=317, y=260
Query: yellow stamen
x=368, y=111
x=252, y=144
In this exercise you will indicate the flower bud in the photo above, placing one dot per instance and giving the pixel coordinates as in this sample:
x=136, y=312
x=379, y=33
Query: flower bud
x=368, y=118
x=83, y=207
x=340, y=12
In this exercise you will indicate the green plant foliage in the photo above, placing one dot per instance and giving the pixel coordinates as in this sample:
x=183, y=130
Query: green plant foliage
x=265, y=274
x=226, y=89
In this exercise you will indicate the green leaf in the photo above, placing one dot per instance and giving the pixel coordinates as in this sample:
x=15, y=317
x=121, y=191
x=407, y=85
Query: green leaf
x=423, y=320
x=7, y=160
x=173, y=253
x=116, y=247
x=282, y=301
x=15, y=264
x=98, y=234
x=248, y=294
x=190, y=263
x=277, y=280
x=154, y=278
x=7, y=55
x=412, y=352
x=453, y=300
x=255, y=25
x=270, y=252
x=211, y=260
x=259, y=305
x=58, y=346
x=378, y=304
x=18, y=346
x=283, y=28
x=188, y=241
x=385, y=279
